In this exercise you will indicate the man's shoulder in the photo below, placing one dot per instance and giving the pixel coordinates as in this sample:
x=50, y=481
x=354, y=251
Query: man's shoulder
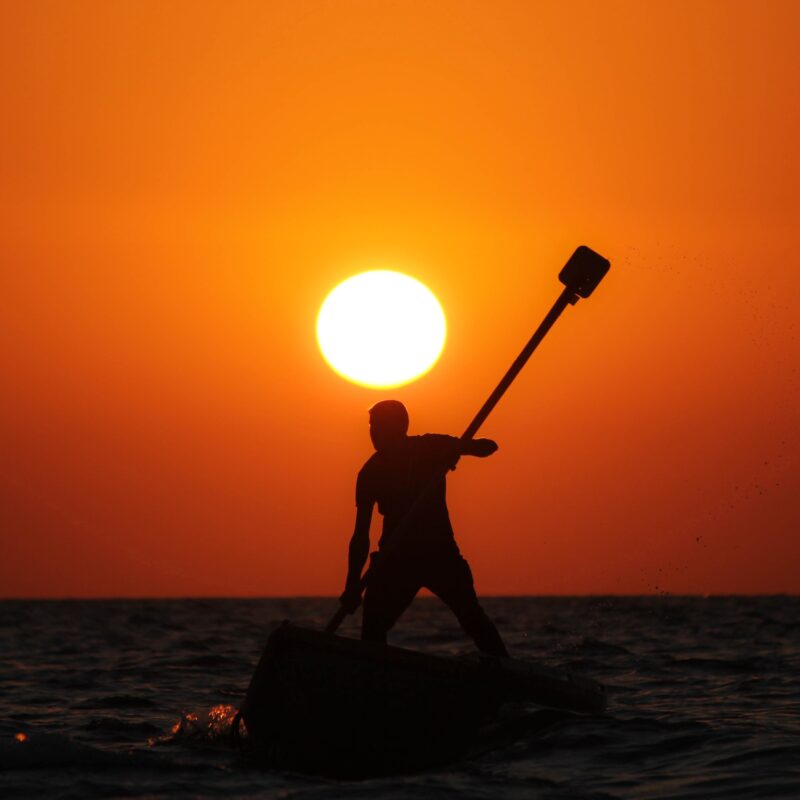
x=369, y=465
x=433, y=440
x=366, y=482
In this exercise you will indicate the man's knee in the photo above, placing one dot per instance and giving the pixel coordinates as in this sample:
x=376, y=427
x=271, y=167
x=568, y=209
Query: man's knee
x=382, y=608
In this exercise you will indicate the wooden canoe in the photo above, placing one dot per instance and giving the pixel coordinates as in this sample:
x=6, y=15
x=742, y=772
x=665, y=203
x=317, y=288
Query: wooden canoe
x=330, y=705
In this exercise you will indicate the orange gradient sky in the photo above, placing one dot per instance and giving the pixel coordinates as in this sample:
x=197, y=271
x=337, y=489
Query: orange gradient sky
x=181, y=185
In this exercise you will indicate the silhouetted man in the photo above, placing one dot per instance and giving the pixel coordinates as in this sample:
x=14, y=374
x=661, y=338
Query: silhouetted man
x=425, y=554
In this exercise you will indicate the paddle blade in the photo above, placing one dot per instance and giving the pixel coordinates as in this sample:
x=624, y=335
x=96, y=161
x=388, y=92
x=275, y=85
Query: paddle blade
x=584, y=270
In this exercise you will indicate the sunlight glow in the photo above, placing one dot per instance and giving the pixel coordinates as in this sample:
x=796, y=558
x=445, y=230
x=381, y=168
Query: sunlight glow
x=381, y=328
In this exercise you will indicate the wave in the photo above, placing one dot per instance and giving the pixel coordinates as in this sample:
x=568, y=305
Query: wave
x=47, y=750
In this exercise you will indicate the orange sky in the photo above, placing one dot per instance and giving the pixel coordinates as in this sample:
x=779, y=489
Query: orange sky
x=181, y=184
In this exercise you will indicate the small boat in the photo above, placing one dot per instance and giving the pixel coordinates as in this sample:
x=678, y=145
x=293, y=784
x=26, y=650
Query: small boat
x=328, y=705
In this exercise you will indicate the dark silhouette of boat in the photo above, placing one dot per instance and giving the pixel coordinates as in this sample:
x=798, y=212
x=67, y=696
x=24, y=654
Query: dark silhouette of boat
x=328, y=705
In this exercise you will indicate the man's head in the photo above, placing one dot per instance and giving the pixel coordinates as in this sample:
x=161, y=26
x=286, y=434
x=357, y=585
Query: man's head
x=388, y=423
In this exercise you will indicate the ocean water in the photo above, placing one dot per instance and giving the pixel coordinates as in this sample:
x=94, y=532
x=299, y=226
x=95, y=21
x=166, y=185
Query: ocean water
x=133, y=698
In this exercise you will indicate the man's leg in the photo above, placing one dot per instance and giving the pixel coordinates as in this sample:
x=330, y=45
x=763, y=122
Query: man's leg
x=389, y=593
x=450, y=579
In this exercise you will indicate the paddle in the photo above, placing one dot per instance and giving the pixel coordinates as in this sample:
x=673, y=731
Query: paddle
x=580, y=275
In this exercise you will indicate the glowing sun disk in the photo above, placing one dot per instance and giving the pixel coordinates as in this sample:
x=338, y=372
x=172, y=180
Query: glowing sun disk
x=381, y=328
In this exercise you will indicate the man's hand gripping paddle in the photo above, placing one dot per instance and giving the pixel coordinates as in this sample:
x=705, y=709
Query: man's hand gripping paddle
x=580, y=275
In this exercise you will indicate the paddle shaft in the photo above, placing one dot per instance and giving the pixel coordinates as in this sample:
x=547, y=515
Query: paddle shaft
x=566, y=298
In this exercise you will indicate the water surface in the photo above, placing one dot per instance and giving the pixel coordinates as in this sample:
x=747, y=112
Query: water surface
x=132, y=698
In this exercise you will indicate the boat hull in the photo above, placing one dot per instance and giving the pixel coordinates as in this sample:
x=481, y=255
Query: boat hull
x=325, y=704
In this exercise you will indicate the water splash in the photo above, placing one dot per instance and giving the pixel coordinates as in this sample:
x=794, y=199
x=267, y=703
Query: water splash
x=205, y=727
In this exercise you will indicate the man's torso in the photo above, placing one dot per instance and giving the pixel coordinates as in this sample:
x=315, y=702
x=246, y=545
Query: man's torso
x=394, y=479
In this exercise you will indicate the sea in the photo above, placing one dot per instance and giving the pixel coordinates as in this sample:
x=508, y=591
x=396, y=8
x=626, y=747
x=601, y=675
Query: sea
x=134, y=698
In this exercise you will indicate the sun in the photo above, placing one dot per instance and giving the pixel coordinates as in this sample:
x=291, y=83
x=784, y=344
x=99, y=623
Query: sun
x=381, y=328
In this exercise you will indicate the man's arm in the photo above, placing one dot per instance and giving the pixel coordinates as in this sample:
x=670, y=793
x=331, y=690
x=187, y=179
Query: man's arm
x=477, y=447
x=470, y=447
x=357, y=557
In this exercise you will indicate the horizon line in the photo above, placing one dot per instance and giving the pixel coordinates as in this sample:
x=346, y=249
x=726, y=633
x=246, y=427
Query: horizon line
x=663, y=595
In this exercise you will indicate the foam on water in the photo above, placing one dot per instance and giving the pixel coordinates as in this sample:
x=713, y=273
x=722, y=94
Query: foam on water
x=136, y=698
